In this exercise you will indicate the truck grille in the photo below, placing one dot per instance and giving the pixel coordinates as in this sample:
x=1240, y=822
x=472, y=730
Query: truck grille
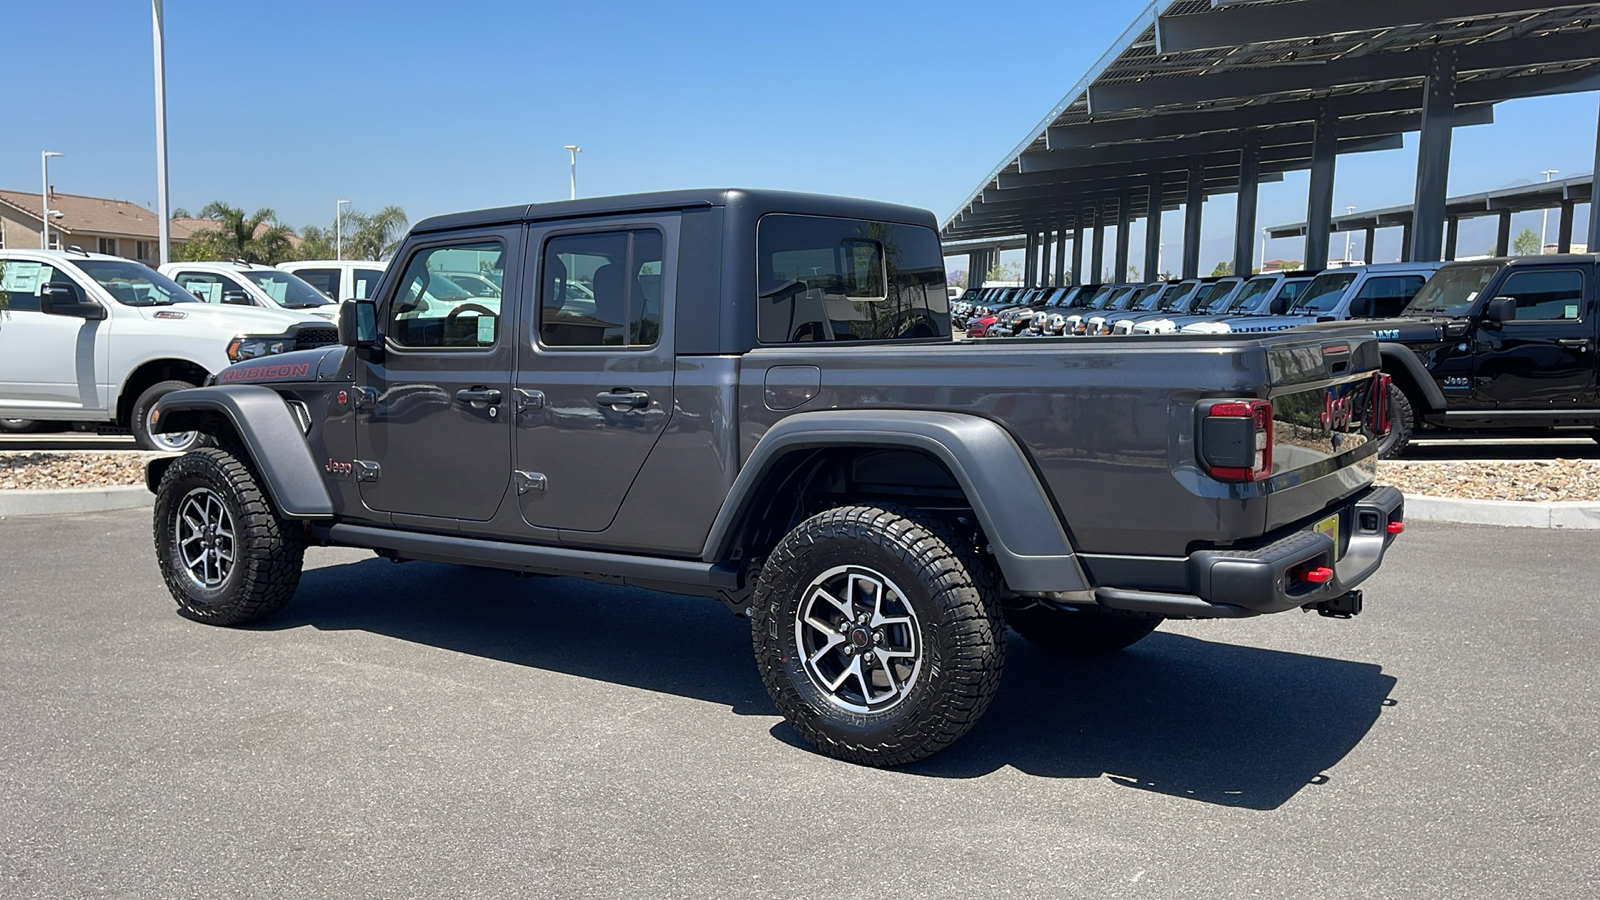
x=306, y=338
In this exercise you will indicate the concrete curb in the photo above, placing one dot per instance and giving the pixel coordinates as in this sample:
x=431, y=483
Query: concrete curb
x=1508, y=513
x=73, y=500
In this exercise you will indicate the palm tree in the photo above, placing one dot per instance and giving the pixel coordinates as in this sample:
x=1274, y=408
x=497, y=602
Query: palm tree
x=376, y=236
x=258, y=238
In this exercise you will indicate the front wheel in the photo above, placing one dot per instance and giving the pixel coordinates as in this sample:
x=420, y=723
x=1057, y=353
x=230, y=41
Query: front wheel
x=1079, y=632
x=1401, y=424
x=877, y=634
x=141, y=423
x=227, y=556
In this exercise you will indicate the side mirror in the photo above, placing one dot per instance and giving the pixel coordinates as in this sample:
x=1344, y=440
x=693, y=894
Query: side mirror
x=63, y=298
x=358, y=323
x=236, y=298
x=1280, y=305
x=1500, y=310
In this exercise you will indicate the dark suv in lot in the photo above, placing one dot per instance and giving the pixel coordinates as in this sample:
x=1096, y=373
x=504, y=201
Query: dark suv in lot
x=754, y=396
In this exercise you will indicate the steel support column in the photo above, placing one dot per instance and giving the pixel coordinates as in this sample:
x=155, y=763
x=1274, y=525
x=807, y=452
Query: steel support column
x=1244, y=222
x=1451, y=232
x=1077, y=251
x=1061, y=255
x=1195, y=198
x=1366, y=249
x=1406, y=231
x=1152, y=230
x=1433, y=156
x=1502, y=240
x=1594, y=194
x=1097, y=250
x=1030, y=258
x=1319, y=202
x=1564, y=230
x=1121, y=266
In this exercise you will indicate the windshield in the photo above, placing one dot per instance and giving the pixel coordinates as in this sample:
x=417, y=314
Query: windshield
x=1323, y=295
x=1098, y=300
x=1253, y=290
x=1451, y=291
x=1147, y=298
x=1216, y=296
x=1122, y=298
x=286, y=290
x=134, y=284
x=1178, y=295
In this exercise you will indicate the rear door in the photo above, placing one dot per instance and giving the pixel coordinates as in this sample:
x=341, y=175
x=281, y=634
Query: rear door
x=595, y=366
x=433, y=409
x=1546, y=357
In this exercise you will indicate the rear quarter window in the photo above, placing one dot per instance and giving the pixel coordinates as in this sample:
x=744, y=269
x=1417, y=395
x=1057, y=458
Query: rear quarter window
x=828, y=279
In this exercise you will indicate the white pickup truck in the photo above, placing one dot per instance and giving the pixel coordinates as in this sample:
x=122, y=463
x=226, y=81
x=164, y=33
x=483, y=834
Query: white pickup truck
x=91, y=338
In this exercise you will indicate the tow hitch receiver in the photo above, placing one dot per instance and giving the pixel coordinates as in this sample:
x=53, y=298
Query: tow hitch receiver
x=1343, y=607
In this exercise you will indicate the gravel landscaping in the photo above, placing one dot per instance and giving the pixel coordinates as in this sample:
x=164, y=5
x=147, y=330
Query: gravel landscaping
x=41, y=470
x=1561, y=479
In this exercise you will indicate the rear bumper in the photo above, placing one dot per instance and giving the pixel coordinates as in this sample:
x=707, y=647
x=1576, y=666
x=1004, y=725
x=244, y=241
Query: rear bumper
x=1268, y=579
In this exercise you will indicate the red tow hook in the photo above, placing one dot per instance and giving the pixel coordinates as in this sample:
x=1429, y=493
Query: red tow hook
x=1319, y=575
x=1396, y=527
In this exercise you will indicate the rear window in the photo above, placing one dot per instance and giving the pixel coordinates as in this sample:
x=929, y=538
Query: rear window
x=326, y=281
x=826, y=279
x=1324, y=294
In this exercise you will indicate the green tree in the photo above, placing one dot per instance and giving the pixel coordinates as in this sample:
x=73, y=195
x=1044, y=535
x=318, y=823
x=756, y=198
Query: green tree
x=1221, y=269
x=374, y=236
x=315, y=243
x=258, y=238
x=1004, y=272
x=956, y=278
x=1527, y=244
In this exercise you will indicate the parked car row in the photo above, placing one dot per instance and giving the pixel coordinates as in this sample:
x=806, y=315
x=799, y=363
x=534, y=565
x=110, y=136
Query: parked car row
x=1506, y=344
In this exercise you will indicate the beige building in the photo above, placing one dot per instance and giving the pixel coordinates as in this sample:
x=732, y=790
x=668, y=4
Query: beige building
x=96, y=224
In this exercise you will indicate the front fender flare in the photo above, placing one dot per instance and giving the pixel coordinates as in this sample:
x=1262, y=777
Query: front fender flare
x=270, y=435
x=1399, y=356
x=1015, y=511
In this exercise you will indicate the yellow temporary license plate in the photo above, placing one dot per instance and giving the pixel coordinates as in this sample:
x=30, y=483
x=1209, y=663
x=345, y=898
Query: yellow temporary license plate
x=1330, y=527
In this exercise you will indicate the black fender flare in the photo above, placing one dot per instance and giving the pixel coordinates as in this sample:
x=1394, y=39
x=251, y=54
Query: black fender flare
x=1016, y=513
x=1398, y=357
x=270, y=434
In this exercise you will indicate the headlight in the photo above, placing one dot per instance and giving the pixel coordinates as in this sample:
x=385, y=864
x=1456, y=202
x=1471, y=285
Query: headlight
x=243, y=348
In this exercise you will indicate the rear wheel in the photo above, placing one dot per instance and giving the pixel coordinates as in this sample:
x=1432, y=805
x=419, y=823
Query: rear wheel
x=227, y=556
x=877, y=634
x=1401, y=423
x=1079, y=632
x=18, y=426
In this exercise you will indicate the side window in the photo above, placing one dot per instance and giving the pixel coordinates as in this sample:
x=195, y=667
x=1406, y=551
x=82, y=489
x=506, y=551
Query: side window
x=20, y=281
x=1546, y=295
x=366, y=283
x=325, y=281
x=206, y=286
x=601, y=289
x=430, y=310
x=1384, y=298
x=827, y=279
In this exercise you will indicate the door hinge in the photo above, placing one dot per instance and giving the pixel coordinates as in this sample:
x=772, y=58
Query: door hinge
x=366, y=397
x=525, y=400
x=529, y=481
x=366, y=471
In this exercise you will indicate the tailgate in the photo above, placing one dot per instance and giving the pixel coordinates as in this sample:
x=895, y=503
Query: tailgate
x=1326, y=406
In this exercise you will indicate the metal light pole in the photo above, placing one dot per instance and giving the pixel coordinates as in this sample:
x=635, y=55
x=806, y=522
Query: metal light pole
x=574, y=149
x=1545, y=213
x=163, y=215
x=338, y=229
x=44, y=197
x=1347, y=210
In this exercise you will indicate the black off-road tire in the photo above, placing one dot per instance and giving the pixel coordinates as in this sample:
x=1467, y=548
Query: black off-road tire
x=1079, y=632
x=1401, y=424
x=138, y=419
x=268, y=549
x=949, y=590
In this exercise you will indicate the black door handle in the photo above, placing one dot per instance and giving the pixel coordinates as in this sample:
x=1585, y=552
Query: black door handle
x=1578, y=344
x=622, y=398
x=490, y=396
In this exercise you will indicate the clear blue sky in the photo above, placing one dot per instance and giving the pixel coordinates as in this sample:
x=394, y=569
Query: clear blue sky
x=448, y=106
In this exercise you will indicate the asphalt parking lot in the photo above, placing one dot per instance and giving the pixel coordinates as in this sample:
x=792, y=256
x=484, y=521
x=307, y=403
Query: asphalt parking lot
x=423, y=731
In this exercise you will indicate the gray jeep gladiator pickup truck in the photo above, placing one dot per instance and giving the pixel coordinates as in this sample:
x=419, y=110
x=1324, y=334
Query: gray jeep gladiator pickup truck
x=754, y=396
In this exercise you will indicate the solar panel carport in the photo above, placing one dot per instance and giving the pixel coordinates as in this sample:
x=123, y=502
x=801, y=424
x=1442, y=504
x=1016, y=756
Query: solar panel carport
x=1562, y=194
x=1204, y=97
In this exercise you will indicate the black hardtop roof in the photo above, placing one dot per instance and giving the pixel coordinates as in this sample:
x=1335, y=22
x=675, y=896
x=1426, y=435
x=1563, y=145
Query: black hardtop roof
x=756, y=202
x=1548, y=259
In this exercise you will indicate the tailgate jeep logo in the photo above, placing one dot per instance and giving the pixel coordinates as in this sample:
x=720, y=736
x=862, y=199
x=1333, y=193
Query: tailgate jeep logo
x=1337, y=413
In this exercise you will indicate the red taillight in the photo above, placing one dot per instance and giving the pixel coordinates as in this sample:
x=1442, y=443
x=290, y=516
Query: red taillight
x=1236, y=440
x=1380, y=404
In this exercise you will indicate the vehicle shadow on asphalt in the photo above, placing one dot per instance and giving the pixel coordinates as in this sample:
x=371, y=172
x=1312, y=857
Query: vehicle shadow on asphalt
x=1214, y=722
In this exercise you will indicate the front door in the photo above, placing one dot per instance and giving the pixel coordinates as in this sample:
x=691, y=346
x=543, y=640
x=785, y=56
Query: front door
x=434, y=409
x=1545, y=358
x=48, y=363
x=595, y=367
